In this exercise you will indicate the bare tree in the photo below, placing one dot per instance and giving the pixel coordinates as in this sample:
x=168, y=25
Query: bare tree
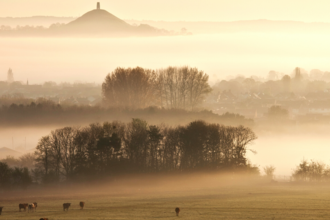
x=269, y=171
x=132, y=88
x=172, y=87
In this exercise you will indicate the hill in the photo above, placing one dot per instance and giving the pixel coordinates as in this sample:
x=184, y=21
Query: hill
x=100, y=22
x=5, y=151
x=44, y=21
x=99, y=19
x=95, y=23
x=246, y=26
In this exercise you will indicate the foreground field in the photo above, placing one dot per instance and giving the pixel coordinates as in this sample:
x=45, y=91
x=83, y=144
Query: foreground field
x=256, y=200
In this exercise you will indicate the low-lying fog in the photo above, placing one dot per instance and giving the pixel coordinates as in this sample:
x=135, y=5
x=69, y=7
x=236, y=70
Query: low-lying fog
x=284, y=152
x=219, y=55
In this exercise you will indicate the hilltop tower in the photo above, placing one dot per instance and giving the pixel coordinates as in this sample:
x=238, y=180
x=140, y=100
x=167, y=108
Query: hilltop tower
x=98, y=6
x=10, y=76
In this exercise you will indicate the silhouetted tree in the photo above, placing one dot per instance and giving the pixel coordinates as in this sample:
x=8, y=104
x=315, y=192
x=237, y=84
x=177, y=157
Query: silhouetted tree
x=132, y=88
x=21, y=177
x=101, y=150
x=173, y=87
x=183, y=87
x=5, y=176
x=155, y=140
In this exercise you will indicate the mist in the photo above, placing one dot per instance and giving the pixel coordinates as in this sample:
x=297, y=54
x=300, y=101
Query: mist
x=89, y=60
x=137, y=117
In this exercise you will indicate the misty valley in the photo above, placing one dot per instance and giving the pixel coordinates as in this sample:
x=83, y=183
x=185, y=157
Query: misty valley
x=106, y=118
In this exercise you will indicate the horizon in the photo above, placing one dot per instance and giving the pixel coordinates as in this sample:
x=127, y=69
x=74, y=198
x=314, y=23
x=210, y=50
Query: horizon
x=174, y=21
x=211, y=10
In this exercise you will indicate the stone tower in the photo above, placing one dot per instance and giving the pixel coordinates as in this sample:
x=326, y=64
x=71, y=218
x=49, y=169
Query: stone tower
x=98, y=6
x=10, y=76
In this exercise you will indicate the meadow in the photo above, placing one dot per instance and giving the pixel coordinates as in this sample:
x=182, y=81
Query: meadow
x=198, y=196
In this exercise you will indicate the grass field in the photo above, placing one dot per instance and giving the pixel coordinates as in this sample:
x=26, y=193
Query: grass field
x=200, y=200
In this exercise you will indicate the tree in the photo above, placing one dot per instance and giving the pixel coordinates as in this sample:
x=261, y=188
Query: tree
x=21, y=177
x=155, y=139
x=132, y=88
x=269, y=171
x=277, y=112
x=136, y=143
x=242, y=137
x=172, y=87
x=311, y=171
x=182, y=87
x=5, y=176
x=193, y=144
x=13, y=178
x=99, y=151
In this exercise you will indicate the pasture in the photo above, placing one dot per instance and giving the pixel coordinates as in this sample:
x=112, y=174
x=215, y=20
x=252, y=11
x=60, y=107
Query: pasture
x=228, y=200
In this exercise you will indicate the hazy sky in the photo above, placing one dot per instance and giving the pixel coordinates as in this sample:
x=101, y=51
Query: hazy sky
x=174, y=10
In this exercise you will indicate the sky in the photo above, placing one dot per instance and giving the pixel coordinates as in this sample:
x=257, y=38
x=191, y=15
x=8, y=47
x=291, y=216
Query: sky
x=176, y=10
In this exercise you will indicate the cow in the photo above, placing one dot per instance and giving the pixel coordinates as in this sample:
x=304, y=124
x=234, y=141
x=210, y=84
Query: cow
x=66, y=206
x=82, y=204
x=35, y=206
x=1, y=210
x=43, y=219
x=177, y=210
x=23, y=206
x=31, y=207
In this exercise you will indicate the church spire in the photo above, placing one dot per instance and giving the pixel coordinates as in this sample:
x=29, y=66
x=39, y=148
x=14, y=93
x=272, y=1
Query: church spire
x=98, y=6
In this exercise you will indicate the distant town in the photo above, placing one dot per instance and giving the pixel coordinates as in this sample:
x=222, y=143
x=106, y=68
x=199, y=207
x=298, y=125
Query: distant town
x=304, y=95
x=62, y=93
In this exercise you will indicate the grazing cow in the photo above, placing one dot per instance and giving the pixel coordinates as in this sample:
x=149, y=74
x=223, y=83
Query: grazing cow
x=66, y=206
x=43, y=219
x=1, y=210
x=177, y=210
x=31, y=207
x=82, y=204
x=35, y=206
x=23, y=206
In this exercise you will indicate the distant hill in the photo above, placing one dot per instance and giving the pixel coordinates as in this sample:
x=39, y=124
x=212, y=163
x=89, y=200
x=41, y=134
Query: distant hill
x=4, y=152
x=246, y=26
x=44, y=21
x=95, y=23
x=98, y=19
x=102, y=23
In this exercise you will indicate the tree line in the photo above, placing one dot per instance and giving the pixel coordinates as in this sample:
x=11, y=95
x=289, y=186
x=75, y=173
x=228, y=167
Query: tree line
x=173, y=87
x=46, y=112
x=114, y=148
x=14, y=177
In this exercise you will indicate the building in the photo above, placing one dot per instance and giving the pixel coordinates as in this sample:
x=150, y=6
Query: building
x=10, y=76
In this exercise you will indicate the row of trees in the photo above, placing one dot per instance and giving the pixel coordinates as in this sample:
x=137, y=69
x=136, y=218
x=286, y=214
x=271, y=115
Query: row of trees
x=173, y=87
x=311, y=171
x=45, y=112
x=136, y=147
x=14, y=177
x=306, y=171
